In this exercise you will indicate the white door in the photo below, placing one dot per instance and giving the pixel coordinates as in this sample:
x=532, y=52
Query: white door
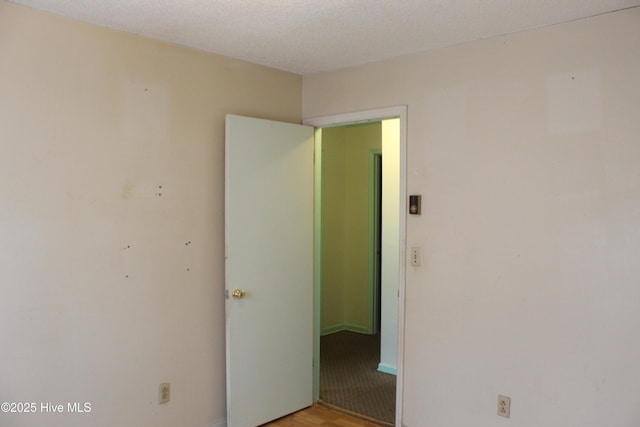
x=269, y=265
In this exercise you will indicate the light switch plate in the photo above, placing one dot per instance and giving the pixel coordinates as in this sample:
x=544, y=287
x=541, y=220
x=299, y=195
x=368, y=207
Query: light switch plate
x=416, y=256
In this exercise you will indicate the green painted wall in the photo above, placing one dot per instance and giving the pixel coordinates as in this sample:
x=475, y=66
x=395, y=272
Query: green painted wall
x=345, y=192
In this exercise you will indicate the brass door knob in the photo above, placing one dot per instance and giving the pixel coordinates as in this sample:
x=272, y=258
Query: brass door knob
x=238, y=294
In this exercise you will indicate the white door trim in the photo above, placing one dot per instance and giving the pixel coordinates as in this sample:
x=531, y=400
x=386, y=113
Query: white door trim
x=367, y=116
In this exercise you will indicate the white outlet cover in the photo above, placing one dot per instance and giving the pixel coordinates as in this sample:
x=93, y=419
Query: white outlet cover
x=504, y=406
x=164, y=393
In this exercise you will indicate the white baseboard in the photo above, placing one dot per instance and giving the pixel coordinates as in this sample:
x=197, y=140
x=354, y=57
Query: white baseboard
x=345, y=327
x=387, y=369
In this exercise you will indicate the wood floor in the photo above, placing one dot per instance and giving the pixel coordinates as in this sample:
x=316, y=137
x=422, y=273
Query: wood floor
x=319, y=416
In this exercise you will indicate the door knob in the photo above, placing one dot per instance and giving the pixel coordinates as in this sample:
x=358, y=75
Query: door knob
x=238, y=294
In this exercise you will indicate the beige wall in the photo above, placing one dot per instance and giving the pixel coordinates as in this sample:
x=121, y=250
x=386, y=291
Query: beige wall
x=109, y=288
x=345, y=225
x=525, y=150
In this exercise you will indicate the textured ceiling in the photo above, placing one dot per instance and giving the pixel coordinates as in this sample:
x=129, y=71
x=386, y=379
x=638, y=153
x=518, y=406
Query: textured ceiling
x=310, y=36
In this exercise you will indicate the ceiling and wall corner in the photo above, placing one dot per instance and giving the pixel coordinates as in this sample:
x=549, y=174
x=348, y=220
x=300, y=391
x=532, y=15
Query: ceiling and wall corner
x=306, y=37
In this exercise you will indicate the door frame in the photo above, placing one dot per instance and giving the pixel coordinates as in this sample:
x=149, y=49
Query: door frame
x=374, y=216
x=399, y=112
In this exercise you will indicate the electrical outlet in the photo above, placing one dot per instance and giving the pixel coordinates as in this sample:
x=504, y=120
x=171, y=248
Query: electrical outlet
x=165, y=392
x=416, y=256
x=504, y=406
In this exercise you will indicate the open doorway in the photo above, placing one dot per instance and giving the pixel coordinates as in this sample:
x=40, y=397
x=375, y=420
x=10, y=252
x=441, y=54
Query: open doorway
x=253, y=353
x=357, y=368
x=392, y=331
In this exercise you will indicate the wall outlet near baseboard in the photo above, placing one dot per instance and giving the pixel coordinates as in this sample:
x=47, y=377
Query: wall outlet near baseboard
x=164, y=393
x=504, y=406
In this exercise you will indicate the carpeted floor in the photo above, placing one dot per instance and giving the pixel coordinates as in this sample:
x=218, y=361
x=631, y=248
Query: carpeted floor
x=349, y=376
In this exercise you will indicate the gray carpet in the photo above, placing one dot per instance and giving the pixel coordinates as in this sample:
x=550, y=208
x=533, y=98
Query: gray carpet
x=349, y=377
